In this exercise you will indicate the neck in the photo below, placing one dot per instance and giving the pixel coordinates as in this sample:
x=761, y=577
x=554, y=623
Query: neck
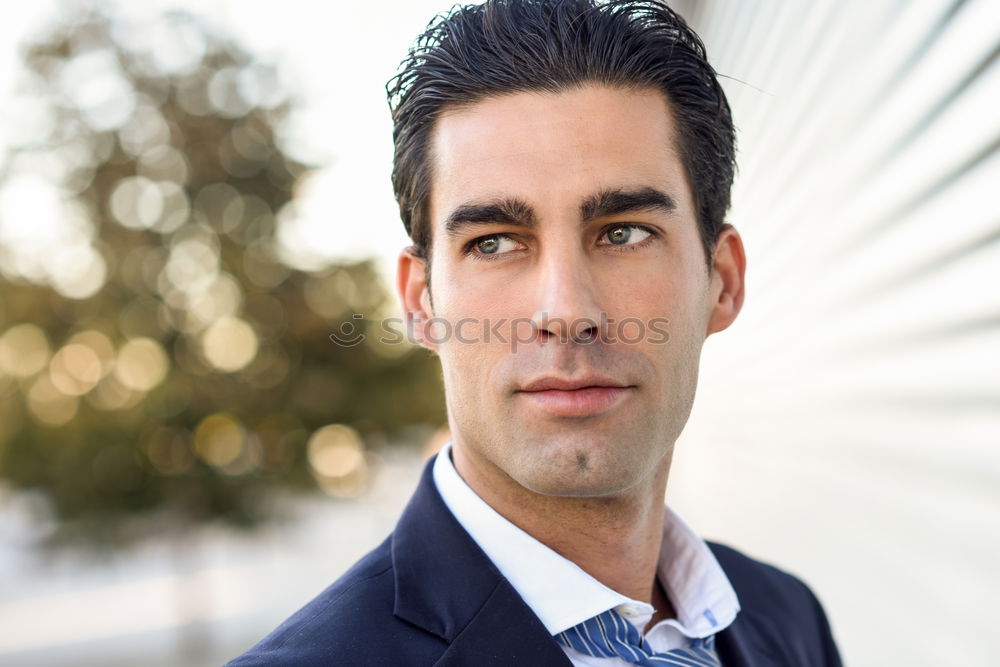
x=615, y=539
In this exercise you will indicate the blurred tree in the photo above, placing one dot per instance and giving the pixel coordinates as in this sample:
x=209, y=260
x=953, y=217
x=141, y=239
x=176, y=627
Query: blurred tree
x=158, y=360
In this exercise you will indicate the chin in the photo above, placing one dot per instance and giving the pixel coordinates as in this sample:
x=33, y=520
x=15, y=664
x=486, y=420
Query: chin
x=569, y=481
x=570, y=463
x=589, y=490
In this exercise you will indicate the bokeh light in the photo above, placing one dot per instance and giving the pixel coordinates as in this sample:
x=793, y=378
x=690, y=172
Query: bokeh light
x=24, y=350
x=141, y=364
x=49, y=405
x=336, y=457
x=75, y=369
x=78, y=271
x=229, y=344
x=137, y=202
x=193, y=262
x=221, y=299
x=94, y=82
x=220, y=439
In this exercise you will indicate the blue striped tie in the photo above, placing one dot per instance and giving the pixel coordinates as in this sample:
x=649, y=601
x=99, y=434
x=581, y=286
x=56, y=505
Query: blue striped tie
x=608, y=635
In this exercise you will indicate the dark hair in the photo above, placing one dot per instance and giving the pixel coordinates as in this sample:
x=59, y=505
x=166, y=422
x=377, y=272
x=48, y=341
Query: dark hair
x=502, y=46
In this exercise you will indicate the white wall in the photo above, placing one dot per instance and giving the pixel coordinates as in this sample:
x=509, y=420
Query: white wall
x=848, y=425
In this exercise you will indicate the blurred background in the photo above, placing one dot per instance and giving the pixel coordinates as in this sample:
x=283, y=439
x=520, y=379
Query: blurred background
x=194, y=196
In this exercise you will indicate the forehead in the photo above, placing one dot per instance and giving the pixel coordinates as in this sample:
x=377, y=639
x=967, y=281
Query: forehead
x=555, y=149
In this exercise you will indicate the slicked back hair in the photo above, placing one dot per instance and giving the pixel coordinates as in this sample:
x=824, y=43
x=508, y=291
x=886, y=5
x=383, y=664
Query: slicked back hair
x=476, y=52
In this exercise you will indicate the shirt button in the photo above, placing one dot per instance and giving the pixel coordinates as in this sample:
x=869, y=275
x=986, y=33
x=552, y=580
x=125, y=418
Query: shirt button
x=628, y=612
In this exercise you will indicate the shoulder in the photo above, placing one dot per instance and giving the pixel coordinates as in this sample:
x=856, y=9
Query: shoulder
x=779, y=605
x=349, y=623
x=757, y=582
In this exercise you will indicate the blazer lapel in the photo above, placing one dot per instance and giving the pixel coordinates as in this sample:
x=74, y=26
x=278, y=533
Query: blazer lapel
x=446, y=585
x=505, y=632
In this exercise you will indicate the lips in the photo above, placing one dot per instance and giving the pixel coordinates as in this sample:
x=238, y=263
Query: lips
x=579, y=397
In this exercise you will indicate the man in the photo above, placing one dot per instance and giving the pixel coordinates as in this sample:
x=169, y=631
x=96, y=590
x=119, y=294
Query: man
x=564, y=170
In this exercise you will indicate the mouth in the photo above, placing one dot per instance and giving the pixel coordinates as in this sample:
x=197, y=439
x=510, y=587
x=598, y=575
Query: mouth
x=582, y=397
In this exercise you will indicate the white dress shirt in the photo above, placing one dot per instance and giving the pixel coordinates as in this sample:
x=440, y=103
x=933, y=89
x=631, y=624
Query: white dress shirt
x=563, y=595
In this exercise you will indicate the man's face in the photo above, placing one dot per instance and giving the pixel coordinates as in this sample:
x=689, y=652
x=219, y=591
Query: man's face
x=570, y=215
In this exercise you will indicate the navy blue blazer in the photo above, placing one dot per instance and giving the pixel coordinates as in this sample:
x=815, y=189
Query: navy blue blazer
x=428, y=595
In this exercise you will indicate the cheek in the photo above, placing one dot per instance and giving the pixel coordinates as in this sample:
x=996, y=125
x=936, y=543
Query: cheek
x=466, y=360
x=644, y=295
x=462, y=291
x=674, y=315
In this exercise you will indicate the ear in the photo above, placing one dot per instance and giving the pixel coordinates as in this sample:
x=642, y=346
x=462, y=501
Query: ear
x=414, y=294
x=727, y=280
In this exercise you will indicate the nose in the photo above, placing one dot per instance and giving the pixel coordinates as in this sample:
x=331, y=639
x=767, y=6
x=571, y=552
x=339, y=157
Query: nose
x=567, y=301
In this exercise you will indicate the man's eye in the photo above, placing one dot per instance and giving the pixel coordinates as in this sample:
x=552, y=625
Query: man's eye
x=626, y=235
x=494, y=244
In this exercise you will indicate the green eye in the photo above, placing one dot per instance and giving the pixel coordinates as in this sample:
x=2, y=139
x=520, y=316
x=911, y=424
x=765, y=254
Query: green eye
x=620, y=235
x=626, y=235
x=493, y=245
x=488, y=245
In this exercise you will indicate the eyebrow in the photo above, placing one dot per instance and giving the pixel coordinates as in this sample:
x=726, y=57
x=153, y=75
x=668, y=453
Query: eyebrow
x=616, y=201
x=507, y=211
x=517, y=212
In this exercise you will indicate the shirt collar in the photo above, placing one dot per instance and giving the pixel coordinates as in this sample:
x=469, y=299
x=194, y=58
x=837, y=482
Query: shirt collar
x=562, y=595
